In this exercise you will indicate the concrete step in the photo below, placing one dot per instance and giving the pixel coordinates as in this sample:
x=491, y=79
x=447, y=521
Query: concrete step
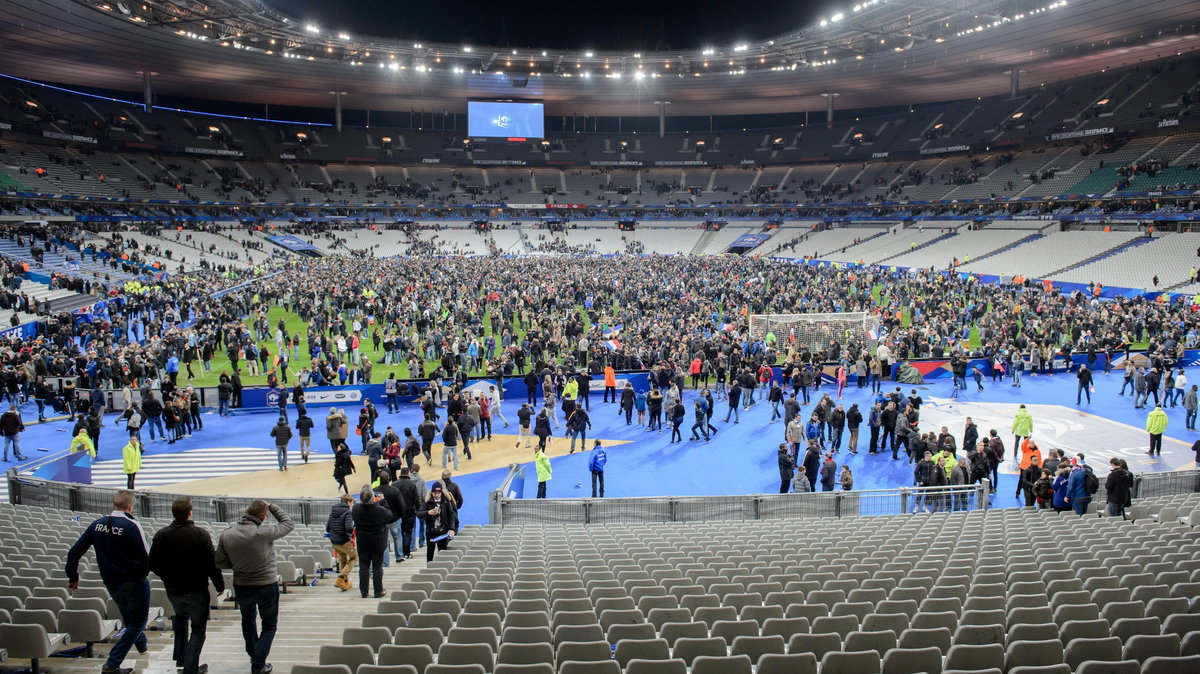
x=309, y=617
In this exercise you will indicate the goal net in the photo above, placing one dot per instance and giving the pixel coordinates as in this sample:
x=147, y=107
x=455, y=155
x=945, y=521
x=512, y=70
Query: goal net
x=817, y=331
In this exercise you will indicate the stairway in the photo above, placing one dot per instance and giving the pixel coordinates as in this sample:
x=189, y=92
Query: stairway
x=309, y=617
x=927, y=244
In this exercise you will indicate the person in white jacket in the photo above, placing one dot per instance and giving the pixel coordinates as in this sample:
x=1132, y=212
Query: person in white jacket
x=494, y=396
x=1181, y=383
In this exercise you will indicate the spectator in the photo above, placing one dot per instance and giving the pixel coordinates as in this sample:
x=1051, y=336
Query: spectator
x=441, y=520
x=453, y=489
x=248, y=547
x=11, y=428
x=182, y=555
x=82, y=443
x=122, y=554
x=787, y=467
x=596, y=466
x=304, y=426
x=131, y=461
x=1156, y=425
x=282, y=433
x=343, y=466
x=337, y=427
x=419, y=486
x=450, y=442
x=1022, y=428
x=371, y=520
x=340, y=527
x=828, y=473
x=543, y=470
x=410, y=498
x=1078, y=495
x=1118, y=487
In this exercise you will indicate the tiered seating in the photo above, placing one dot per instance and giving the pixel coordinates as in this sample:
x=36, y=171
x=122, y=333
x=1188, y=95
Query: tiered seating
x=883, y=247
x=1051, y=253
x=965, y=245
x=1002, y=589
x=1170, y=257
x=39, y=616
x=664, y=240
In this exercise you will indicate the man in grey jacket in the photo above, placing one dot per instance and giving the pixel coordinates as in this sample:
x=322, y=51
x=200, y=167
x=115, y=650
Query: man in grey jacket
x=248, y=548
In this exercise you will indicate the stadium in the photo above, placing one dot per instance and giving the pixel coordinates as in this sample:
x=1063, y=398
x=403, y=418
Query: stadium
x=762, y=319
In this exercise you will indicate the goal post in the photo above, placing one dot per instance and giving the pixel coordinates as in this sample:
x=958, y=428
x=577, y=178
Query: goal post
x=817, y=331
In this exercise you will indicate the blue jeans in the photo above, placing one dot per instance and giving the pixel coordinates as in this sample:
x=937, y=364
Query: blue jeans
x=156, y=422
x=15, y=441
x=835, y=438
x=420, y=532
x=222, y=407
x=191, y=611
x=1080, y=504
x=254, y=601
x=133, y=601
x=1190, y=419
x=281, y=455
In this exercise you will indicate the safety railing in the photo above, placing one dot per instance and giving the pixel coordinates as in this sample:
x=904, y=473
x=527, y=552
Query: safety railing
x=507, y=507
x=509, y=510
x=33, y=491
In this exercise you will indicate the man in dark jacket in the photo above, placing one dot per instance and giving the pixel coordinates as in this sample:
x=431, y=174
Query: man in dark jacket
x=971, y=435
x=585, y=383
x=371, y=520
x=304, y=426
x=787, y=467
x=828, y=473
x=1084, y=386
x=853, y=421
x=340, y=526
x=11, y=428
x=410, y=497
x=812, y=463
x=396, y=503
x=183, y=556
x=224, y=395
x=578, y=424
x=924, y=475
x=837, y=425
x=123, y=557
x=282, y=433
x=427, y=429
x=153, y=408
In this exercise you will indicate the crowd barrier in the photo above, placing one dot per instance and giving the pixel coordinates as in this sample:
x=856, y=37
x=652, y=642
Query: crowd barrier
x=508, y=507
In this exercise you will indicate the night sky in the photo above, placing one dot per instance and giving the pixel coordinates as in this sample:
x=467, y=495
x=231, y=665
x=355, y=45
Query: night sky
x=611, y=24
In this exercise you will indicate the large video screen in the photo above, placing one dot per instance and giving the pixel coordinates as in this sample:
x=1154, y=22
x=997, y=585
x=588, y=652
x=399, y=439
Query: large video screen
x=487, y=119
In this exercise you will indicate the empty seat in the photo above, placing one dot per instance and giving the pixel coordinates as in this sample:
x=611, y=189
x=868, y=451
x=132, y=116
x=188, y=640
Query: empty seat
x=725, y=664
x=350, y=656
x=375, y=637
x=1079, y=651
x=688, y=649
x=938, y=637
x=979, y=634
x=419, y=656
x=1142, y=647
x=912, y=661
x=467, y=654
x=629, y=631
x=672, y=666
x=756, y=647
x=596, y=667
x=792, y=663
x=982, y=656
x=1033, y=653
x=851, y=662
x=841, y=625
x=879, y=641
x=1170, y=664
x=473, y=635
x=641, y=649
x=1120, y=667
x=729, y=629
x=583, y=651
x=411, y=636
x=817, y=644
x=525, y=654
x=564, y=633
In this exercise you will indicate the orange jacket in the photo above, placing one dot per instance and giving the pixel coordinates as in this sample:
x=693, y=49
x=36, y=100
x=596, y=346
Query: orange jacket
x=1028, y=455
x=610, y=376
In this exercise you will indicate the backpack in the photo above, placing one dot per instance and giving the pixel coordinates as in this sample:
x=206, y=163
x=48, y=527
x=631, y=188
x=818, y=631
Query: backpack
x=1091, y=483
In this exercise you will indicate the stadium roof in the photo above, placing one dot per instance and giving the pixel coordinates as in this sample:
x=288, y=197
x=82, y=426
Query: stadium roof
x=875, y=53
